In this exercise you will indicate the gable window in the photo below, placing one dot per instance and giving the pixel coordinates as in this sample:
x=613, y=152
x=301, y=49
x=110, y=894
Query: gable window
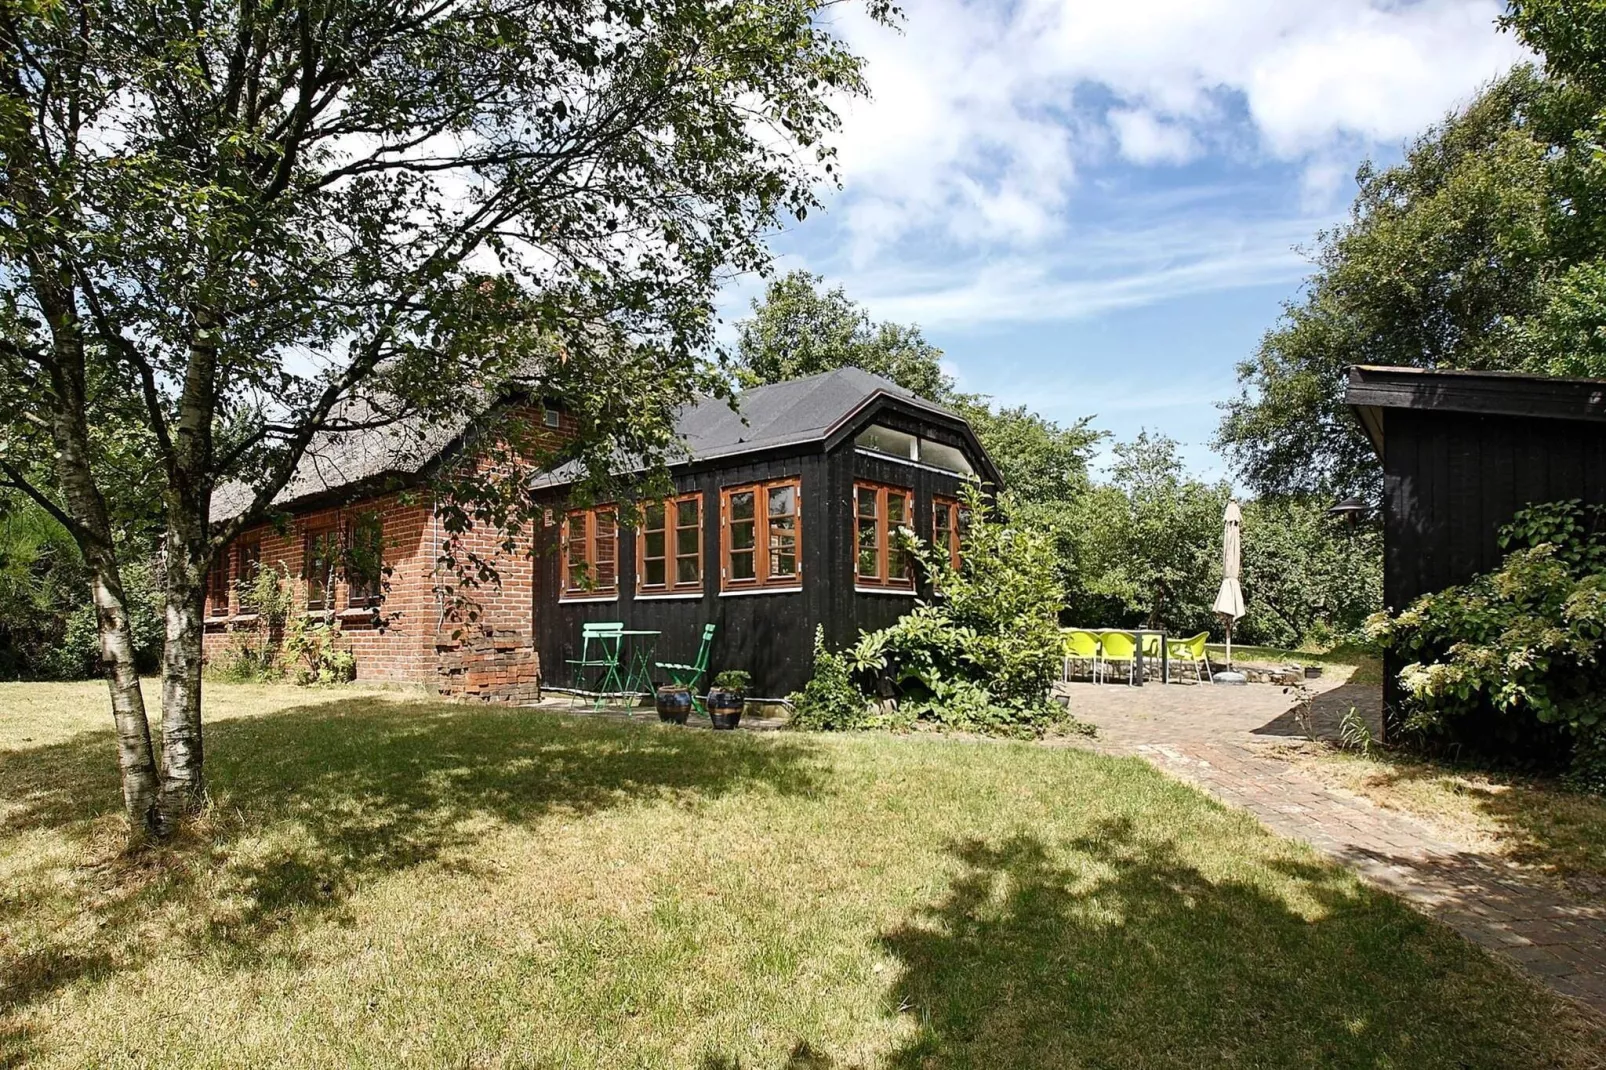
x=760, y=534
x=949, y=519
x=217, y=586
x=878, y=513
x=365, y=564
x=669, y=554
x=250, y=561
x=320, y=552
x=591, y=553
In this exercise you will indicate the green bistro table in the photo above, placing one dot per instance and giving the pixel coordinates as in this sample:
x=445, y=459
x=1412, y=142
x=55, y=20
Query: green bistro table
x=643, y=649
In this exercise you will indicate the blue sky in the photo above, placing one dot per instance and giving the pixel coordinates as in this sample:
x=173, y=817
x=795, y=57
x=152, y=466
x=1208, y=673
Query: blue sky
x=1098, y=208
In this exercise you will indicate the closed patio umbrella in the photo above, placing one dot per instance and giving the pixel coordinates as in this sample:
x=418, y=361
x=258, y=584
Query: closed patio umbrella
x=1230, y=600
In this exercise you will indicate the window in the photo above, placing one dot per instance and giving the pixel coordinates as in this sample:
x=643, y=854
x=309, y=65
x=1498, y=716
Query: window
x=320, y=552
x=250, y=561
x=669, y=554
x=551, y=418
x=217, y=586
x=761, y=530
x=591, y=553
x=878, y=513
x=365, y=562
x=949, y=520
x=903, y=446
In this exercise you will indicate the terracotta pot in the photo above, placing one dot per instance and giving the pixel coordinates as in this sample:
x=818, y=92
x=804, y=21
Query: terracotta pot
x=674, y=703
x=725, y=708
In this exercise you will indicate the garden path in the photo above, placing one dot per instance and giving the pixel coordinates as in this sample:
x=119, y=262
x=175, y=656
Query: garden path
x=1224, y=740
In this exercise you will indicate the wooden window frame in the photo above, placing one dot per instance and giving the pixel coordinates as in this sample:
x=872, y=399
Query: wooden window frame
x=884, y=549
x=572, y=592
x=672, y=557
x=369, y=594
x=309, y=539
x=951, y=508
x=762, y=580
x=217, y=585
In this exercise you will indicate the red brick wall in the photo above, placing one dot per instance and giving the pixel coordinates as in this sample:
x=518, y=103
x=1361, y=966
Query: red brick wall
x=478, y=642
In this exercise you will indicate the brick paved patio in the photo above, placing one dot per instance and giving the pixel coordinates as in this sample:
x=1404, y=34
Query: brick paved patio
x=1222, y=739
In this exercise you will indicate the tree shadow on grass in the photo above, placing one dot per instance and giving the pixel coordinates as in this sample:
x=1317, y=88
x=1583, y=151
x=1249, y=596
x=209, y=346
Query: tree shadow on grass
x=312, y=801
x=1115, y=951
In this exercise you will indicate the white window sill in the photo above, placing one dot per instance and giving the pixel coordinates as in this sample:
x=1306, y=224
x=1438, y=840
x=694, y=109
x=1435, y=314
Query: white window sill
x=580, y=600
x=359, y=611
x=761, y=590
x=656, y=596
x=902, y=592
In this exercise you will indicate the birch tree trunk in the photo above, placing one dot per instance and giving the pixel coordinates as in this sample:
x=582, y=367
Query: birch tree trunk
x=189, y=555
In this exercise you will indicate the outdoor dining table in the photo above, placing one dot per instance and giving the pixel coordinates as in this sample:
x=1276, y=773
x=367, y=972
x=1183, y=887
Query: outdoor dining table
x=638, y=669
x=1137, y=655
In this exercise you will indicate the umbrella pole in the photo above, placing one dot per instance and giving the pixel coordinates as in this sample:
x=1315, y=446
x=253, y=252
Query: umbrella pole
x=1229, y=645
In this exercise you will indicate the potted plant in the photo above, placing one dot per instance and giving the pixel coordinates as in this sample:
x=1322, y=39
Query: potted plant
x=674, y=703
x=727, y=697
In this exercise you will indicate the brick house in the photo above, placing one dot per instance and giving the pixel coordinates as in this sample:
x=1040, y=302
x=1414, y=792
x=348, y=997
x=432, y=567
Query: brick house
x=373, y=487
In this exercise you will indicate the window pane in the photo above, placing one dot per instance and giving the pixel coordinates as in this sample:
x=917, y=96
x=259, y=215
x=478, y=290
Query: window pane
x=783, y=555
x=607, y=547
x=654, y=544
x=655, y=573
x=742, y=536
x=686, y=570
x=742, y=505
x=783, y=501
x=868, y=545
x=867, y=498
x=742, y=566
x=686, y=513
x=686, y=542
x=653, y=516
x=896, y=509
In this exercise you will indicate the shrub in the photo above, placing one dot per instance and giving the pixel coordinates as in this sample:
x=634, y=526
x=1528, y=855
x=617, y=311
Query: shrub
x=1521, y=645
x=981, y=656
x=78, y=656
x=312, y=645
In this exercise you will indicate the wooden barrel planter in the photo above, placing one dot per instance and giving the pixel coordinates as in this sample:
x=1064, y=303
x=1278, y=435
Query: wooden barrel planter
x=674, y=703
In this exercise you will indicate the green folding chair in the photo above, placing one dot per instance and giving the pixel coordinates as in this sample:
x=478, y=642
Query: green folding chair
x=689, y=675
x=599, y=650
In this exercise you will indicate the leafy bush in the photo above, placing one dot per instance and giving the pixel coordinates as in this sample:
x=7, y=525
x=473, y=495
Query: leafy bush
x=313, y=644
x=254, y=653
x=78, y=656
x=1521, y=645
x=981, y=656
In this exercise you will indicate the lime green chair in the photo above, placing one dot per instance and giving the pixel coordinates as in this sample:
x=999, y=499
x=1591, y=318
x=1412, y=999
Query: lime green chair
x=1152, y=664
x=1192, y=652
x=1081, y=646
x=1115, y=648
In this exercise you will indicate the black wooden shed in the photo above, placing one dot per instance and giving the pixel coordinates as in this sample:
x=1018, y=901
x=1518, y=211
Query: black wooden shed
x=1462, y=452
x=782, y=521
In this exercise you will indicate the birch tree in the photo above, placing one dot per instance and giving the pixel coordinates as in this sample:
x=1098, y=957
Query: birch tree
x=259, y=222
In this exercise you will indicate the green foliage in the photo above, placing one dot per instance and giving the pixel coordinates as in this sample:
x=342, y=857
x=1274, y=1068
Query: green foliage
x=78, y=655
x=1444, y=260
x=797, y=330
x=1307, y=577
x=313, y=646
x=1148, y=544
x=981, y=657
x=1525, y=641
x=733, y=680
x=830, y=701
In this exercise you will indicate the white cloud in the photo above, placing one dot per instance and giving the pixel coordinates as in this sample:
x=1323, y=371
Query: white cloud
x=985, y=114
x=1146, y=139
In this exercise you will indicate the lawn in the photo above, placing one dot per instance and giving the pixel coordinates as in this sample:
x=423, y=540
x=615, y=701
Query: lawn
x=385, y=881
x=1535, y=824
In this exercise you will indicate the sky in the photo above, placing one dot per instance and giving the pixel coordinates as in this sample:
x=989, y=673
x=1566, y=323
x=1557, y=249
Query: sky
x=1098, y=208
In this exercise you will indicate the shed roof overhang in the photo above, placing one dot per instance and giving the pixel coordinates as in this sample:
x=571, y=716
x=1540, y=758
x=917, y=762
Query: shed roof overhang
x=1373, y=390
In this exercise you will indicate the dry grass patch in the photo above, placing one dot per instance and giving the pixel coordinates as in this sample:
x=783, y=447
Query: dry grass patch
x=385, y=882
